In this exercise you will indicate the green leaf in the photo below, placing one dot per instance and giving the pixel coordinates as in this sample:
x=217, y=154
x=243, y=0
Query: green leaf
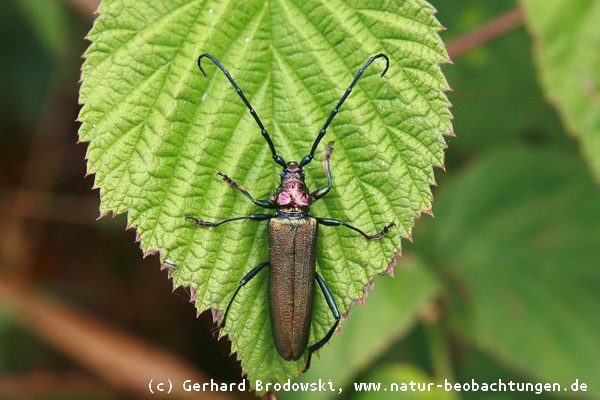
x=567, y=42
x=158, y=131
x=522, y=254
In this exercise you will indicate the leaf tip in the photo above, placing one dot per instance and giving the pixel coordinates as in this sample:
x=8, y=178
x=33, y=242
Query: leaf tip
x=150, y=252
x=389, y=271
x=216, y=315
x=102, y=214
x=193, y=294
x=168, y=265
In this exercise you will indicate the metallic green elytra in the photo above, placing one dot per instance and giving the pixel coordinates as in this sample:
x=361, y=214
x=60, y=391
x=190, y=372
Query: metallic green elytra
x=292, y=239
x=291, y=282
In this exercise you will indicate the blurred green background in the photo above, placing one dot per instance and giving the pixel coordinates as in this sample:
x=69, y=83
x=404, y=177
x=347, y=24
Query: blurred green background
x=510, y=259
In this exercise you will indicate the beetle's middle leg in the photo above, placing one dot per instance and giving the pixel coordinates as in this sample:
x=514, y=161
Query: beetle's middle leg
x=335, y=222
x=336, y=315
x=242, y=283
x=235, y=185
x=317, y=194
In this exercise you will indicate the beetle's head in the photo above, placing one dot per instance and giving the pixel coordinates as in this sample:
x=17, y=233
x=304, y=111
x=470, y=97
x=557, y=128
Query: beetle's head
x=292, y=194
x=292, y=173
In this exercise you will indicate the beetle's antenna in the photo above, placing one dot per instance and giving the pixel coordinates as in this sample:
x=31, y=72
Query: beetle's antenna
x=263, y=130
x=309, y=157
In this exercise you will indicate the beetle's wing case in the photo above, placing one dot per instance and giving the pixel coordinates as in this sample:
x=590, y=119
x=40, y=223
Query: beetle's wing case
x=292, y=282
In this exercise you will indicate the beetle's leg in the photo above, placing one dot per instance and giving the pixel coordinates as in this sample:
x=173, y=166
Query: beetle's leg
x=335, y=222
x=244, y=280
x=317, y=194
x=253, y=217
x=235, y=185
x=336, y=315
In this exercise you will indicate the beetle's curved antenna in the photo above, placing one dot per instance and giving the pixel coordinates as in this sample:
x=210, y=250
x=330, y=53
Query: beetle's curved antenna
x=323, y=130
x=263, y=130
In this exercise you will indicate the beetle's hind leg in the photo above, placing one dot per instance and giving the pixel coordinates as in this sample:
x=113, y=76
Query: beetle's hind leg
x=247, y=278
x=336, y=315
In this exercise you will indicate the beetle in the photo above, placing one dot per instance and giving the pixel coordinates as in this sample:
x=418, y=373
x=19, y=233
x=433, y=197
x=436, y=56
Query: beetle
x=292, y=238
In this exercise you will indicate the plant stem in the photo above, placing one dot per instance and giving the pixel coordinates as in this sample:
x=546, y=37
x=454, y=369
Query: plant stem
x=439, y=351
x=486, y=33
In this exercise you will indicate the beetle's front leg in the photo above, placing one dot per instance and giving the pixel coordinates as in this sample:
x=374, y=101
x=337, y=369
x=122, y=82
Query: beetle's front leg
x=335, y=222
x=253, y=217
x=235, y=185
x=317, y=194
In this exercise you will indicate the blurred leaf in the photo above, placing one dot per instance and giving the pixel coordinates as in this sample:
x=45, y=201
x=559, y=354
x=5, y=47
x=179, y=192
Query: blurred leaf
x=27, y=68
x=159, y=131
x=496, y=97
x=405, y=382
x=521, y=250
x=483, y=368
x=568, y=60
x=391, y=310
x=49, y=20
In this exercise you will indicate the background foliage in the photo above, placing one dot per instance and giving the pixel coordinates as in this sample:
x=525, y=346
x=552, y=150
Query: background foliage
x=507, y=270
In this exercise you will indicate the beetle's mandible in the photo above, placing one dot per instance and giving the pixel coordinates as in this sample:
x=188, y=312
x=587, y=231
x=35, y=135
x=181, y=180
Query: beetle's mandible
x=292, y=238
